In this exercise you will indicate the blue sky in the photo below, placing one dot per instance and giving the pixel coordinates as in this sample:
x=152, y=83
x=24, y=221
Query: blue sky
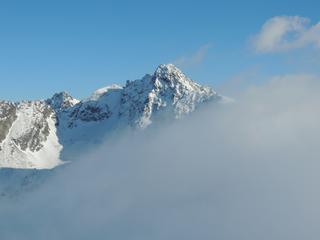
x=79, y=46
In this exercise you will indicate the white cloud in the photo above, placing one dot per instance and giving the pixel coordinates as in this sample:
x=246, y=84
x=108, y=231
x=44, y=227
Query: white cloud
x=283, y=33
x=195, y=59
x=245, y=171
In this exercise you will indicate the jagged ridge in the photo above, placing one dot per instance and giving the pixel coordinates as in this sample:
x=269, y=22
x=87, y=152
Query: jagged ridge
x=38, y=134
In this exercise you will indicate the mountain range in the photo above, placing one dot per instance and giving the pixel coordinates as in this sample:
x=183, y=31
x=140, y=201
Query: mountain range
x=44, y=134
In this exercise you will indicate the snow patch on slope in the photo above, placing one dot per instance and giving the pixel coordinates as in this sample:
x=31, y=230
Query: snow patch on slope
x=102, y=91
x=32, y=141
x=48, y=156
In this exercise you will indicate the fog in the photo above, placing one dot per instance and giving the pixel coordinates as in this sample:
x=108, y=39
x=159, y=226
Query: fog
x=247, y=170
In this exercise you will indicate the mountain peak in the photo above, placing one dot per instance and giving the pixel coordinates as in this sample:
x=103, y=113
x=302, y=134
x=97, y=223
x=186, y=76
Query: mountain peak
x=168, y=72
x=62, y=100
x=167, y=67
x=171, y=76
x=168, y=91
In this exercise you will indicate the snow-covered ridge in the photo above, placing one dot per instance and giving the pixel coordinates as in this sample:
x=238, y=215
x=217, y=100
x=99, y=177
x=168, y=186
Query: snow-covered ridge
x=43, y=134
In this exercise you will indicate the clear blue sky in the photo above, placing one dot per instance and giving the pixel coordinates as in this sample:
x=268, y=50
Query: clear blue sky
x=79, y=46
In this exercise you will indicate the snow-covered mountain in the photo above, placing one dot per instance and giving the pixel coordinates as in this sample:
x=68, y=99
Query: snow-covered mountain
x=28, y=135
x=44, y=134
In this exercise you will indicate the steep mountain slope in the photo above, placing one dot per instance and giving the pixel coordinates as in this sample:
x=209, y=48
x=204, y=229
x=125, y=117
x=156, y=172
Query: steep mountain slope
x=28, y=135
x=40, y=134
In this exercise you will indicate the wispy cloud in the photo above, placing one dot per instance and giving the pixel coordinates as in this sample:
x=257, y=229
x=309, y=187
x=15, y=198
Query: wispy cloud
x=194, y=59
x=283, y=33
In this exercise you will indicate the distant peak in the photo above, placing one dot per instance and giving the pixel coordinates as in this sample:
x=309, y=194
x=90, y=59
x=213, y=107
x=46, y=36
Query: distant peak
x=62, y=94
x=171, y=74
x=62, y=100
x=167, y=66
x=167, y=69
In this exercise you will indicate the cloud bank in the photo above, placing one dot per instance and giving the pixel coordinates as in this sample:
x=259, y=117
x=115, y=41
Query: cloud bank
x=283, y=33
x=246, y=171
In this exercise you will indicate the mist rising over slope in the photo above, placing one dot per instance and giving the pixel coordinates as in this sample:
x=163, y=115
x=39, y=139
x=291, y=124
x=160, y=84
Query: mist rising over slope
x=247, y=170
